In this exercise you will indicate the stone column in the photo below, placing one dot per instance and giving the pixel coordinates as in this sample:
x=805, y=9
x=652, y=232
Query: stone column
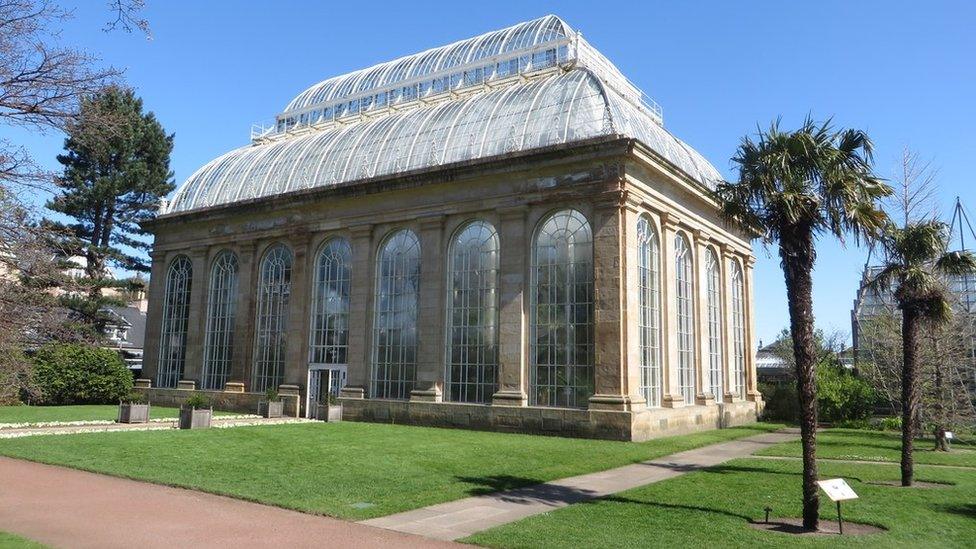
x=727, y=336
x=154, y=314
x=243, y=337
x=513, y=305
x=614, y=224
x=752, y=388
x=703, y=393
x=671, y=391
x=430, y=323
x=360, y=311
x=296, y=347
x=197, y=317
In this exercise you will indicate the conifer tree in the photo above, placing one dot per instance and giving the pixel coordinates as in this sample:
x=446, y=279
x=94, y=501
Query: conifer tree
x=116, y=172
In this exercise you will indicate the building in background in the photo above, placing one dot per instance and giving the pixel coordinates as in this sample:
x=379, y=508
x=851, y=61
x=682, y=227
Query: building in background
x=499, y=233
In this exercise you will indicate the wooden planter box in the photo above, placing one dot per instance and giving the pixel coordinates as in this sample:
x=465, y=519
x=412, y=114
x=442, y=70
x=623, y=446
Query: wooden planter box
x=330, y=413
x=133, y=413
x=271, y=409
x=195, y=418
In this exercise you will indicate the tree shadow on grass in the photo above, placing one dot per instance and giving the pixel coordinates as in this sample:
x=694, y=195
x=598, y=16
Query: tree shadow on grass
x=674, y=507
x=967, y=510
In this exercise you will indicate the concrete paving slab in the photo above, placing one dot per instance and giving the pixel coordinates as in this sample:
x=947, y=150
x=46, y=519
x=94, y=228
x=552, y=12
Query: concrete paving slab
x=462, y=518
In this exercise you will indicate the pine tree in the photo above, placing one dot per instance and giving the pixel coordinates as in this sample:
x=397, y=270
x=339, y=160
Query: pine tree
x=116, y=172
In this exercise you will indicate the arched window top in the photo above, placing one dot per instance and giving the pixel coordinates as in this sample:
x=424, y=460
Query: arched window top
x=682, y=247
x=736, y=270
x=400, y=241
x=569, y=225
x=335, y=248
x=277, y=254
x=711, y=260
x=180, y=266
x=646, y=231
x=478, y=233
x=225, y=259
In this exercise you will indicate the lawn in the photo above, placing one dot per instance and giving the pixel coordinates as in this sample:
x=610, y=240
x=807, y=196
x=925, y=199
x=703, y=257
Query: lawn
x=88, y=412
x=348, y=470
x=850, y=444
x=713, y=507
x=11, y=541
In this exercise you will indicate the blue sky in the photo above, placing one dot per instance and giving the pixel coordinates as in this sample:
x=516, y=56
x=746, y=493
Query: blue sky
x=903, y=71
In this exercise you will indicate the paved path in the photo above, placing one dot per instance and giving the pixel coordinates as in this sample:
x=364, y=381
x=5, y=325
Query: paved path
x=155, y=425
x=868, y=462
x=63, y=507
x=461, y=518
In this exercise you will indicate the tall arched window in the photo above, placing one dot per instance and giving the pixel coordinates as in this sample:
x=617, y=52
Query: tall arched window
x=738, y=383
x=176, y=311
x=684, y=298
x=473, y=314
x=330, y=310
x=562, y=311
x=713, y=305
x=395, y=320
x=648, y=261
x=221, y=308
x=274, y=291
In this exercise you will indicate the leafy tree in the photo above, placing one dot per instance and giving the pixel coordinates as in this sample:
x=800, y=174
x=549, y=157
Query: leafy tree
x=116, y=171
x=915, y=268
x=793, y=187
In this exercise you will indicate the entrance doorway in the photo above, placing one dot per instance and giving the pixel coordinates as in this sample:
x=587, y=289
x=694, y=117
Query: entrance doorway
x=323, y=380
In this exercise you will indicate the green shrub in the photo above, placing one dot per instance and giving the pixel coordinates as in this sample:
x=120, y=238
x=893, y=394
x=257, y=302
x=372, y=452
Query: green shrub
x=197, y=400
x=271, y=395
x=72, y=373
x=892, y=423
x=781, y=401
x=842, y=396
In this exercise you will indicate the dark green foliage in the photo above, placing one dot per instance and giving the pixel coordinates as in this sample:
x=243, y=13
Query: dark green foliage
x=74, y=373
x=116, y=172
x=197, y=400
x=842, y=396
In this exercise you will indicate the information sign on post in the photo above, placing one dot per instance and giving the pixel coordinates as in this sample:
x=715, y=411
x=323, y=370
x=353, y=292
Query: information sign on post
x=837, y=490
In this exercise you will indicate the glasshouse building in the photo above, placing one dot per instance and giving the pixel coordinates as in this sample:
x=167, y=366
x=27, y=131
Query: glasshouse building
x=495, y=234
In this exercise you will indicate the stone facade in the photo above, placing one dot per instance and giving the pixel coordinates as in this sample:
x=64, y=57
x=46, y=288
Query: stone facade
x=612, y=181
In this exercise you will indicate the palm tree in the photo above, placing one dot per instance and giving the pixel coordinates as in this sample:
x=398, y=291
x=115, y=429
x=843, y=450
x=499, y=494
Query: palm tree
x=916, y=267
x=792, y=188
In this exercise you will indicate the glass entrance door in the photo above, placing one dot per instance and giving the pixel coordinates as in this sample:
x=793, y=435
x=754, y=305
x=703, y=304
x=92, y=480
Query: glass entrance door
x=322, y=382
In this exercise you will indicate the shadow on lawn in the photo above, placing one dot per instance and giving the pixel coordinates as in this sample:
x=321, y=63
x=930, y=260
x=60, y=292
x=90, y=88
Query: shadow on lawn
x=674, y=506
x=967, y=510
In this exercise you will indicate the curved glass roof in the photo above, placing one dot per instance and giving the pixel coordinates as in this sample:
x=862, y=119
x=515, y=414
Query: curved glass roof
x=547, y=104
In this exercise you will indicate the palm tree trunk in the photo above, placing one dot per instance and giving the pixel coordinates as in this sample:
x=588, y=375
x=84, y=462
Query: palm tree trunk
x=797, y=256
x=909, y=390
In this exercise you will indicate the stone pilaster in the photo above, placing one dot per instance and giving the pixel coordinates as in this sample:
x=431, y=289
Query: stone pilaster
x=243, y=337
x=197, y=316
x=430, y=322
x=360, y=311
x=703, y=395
x=296, y=346
x=154, y=314
x=512, y=308
x=610, y=255
x=727, y=336
x=752, y=393
x=671, y=392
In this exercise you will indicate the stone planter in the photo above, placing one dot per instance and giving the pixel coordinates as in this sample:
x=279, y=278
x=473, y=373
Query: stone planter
x=195, y=418
x=329, y=412
x=271, y=409
x=133, y=413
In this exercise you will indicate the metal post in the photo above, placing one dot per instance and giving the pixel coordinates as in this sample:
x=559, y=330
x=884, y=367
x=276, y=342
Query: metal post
x=840, y=520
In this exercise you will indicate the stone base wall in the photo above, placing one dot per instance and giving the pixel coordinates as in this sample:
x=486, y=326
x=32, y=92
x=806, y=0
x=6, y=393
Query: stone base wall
x=610, y=425
x=242, y=403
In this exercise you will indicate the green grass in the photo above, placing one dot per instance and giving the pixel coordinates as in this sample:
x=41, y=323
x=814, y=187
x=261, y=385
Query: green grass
x=11, y=541
x=88, y=412
x=329, y=468
x=848, y=444
x=713, y=507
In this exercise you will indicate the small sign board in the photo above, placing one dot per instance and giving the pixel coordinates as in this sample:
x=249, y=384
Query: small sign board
x=949, y=435
x=837, y=489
